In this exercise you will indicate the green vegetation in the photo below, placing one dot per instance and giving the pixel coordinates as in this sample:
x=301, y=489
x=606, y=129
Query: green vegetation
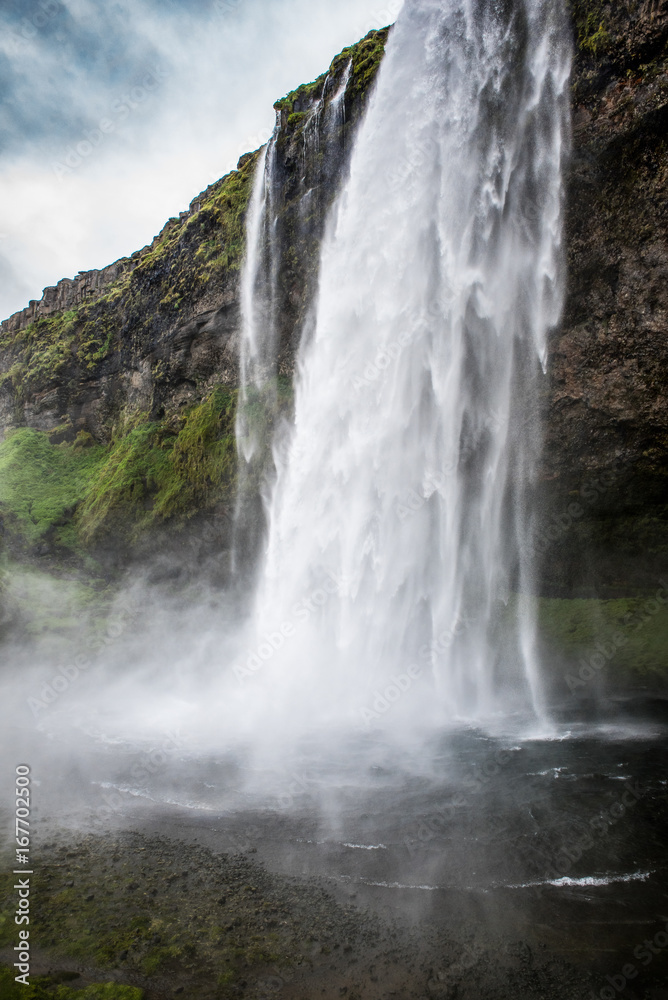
x=71, y=494
x=41, y=484
x=46, y=348
x=572, y=629
x=188, y=256
x=366, y=57
x=52, y=988
x=151, y=474
x=156, y=908
x=591, y=33
x=297, y=119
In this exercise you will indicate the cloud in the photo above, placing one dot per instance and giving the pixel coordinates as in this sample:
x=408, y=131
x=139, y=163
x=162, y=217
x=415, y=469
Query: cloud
x=183, y=87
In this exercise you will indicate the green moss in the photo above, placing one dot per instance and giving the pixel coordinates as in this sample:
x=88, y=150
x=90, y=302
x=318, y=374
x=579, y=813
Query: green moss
x=591, y=33
x=366, y=57
x=308, y=92
x=51, y=988
x=110, y=991
x=594, y=41
x=95, y=337
x=201, y=248
x=48, y=346
x=571, y=628
x=75, y=494
x=151, y=474
x=122, y=490
x=297, y=119
x=40, y=484
x=203, y=458
x=46, y=349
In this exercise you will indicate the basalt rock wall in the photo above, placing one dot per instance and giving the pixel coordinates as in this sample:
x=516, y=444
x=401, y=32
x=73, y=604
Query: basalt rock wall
x=605, y=460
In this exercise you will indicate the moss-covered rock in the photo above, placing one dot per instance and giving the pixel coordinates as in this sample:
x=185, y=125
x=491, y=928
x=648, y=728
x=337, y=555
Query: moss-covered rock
x=620, y=643
x=52, y=987
x=41, y=485
x=130, y=347
x=363, y=59
x=619, y=39
x=66, y=499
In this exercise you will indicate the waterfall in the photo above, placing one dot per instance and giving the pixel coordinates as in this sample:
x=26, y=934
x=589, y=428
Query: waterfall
x=336, y=108
x=258, y=300
x=396, y=583
x=278, y=217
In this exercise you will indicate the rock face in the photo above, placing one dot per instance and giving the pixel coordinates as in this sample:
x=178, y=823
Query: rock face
x=148, y=339
x=141, y=360
x=606, y=442
x=155, y=332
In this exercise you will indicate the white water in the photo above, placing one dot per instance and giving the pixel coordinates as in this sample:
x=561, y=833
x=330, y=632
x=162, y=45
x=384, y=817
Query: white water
x=258, y=336
x=399, y=520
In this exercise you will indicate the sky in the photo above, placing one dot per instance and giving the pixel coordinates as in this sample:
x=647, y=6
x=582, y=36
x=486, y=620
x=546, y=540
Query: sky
x=114, y=114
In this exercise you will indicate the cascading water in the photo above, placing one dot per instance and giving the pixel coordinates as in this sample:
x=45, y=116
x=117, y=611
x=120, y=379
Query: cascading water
x=258, y=335
x=399, y=521
x=271, y=227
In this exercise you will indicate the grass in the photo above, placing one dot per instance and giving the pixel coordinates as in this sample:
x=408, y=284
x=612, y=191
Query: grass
x=73, y=494
x=151, y=474
x=41, y=483
x=366, y=57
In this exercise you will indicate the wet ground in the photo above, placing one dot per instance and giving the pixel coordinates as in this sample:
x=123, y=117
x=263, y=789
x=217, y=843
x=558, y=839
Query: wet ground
x=506, y=866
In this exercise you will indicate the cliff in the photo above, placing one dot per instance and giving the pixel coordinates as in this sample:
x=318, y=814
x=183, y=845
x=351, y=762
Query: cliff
x=606, y=448
x=120, y=386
